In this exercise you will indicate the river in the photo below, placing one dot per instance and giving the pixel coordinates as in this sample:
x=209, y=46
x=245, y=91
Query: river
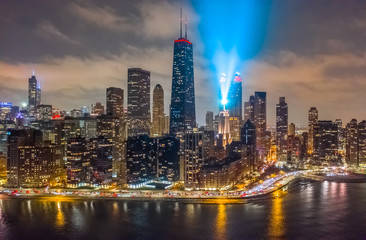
x=308, y=210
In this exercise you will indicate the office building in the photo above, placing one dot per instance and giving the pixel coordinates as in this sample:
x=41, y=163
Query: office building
x=138, y=101
x=281, y=128
x=182, y=106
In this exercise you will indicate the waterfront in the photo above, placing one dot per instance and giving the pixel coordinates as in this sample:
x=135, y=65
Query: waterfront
x=307, y=210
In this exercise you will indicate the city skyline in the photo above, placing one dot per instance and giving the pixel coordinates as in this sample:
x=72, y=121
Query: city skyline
x=327, y=75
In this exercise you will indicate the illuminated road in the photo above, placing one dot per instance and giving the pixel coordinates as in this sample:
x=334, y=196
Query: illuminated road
x=266, y=187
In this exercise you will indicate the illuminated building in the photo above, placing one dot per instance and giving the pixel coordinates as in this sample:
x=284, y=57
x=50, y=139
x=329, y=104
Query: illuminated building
x=233, y=101
x=31, y=162
x=224, y=128
x=193, y=156
x=248, y=137
x=182, y=107
x=138, y=101
x=44, y=112
x=6, y=110
x=341, y=138
x=362, y=144
x=281, y=128
x=210, y=121
x=152, y=159
x=325, y=142
x=312, y=120
x=109, y=127
x=76, y=113
x=97, y=109
x=158, y=117
x=114, y=100
x=101, y=161
x=167, y=151
x=34, y=95
x=304, y=146
x=3, y=161
x=249, y=109
x=260, y=122
x=78, y=157
x=291, y=129
x=352, y=143
x=293, y=149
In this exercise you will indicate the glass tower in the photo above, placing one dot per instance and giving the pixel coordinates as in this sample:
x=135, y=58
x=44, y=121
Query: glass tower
x=182, y=108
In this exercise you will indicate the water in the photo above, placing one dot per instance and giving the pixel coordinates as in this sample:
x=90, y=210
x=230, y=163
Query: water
x=307, y=211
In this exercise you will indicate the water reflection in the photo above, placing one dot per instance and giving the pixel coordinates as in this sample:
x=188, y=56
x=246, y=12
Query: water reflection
x=221, y=222
x=60, y=218
x=276, y=224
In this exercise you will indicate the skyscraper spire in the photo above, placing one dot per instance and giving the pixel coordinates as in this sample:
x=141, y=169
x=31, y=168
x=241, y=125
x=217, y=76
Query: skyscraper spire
x=185, y=35
x=181, y=20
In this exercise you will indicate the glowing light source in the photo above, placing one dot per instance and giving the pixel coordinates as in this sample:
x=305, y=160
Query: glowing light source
x=183, y=40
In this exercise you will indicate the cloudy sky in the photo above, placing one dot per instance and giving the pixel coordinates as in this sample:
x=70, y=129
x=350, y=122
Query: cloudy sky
x=311, y=52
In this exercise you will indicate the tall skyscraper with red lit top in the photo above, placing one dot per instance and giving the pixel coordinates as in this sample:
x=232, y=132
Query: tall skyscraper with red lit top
x=182, y=107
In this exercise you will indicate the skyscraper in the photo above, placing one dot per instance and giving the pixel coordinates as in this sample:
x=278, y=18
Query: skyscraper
x=115, y=102
x=352, y=143
x=248, y=137
x=182, y=107
x=291, y=129
x=158, y=118
x=325, y=141
x=249, y=109
x=260, y=122
x=313, y=119
x=281, y=128
x=209, y=121
x=138, y=101
x=234, y=98
x=34, y=96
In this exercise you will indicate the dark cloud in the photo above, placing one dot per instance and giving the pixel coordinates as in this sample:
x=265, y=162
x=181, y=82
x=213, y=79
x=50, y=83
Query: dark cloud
x=313, y=53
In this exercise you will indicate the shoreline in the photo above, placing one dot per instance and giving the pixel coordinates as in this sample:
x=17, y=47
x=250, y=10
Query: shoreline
x=353, y=178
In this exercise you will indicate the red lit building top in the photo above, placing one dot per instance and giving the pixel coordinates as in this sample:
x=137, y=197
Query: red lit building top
x=183, y=40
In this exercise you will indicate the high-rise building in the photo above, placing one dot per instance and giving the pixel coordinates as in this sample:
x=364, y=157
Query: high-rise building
x=101, y=161
x=234, y=102
x=31, y=163
x=109, y=127
x=193, y=157
x=115, y=102
x=325, y=142
x=210, y=121
x=34, y=95
x=141, y=160
x=312, y=120
x=291, y=129
x=158, y=116
x=352, y=143
x=224, y=129
x=44, y=112
x=5, y=110
x=248, y=137
x=138, y=101
x=78, y=157
x=362, y=144
x=97, y=109
x=249, y=109
x=281, y=128
x=182, y=107
x=152, y=159
x=260, y=122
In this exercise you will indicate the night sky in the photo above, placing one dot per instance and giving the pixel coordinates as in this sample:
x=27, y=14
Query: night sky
x=311, y=52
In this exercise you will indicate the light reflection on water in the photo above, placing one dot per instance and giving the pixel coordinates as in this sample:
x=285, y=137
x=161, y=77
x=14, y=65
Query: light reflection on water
x=276, y=226
x=221, y=222
x=322, y=210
